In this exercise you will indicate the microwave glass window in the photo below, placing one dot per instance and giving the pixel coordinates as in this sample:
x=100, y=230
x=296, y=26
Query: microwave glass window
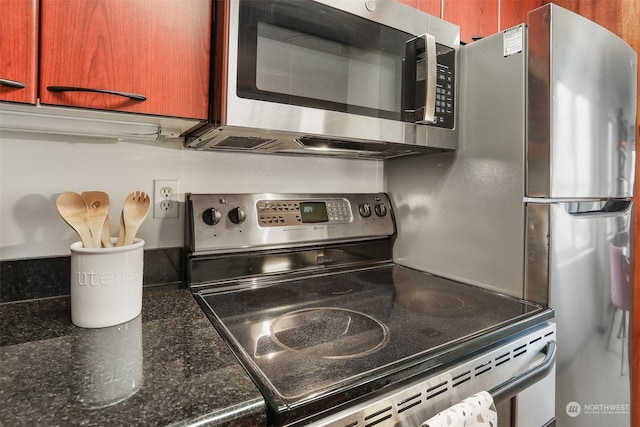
x=308, y=54
x=302, y=65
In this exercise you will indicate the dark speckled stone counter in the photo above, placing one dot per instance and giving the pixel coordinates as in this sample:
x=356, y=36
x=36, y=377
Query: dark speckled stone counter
x=166, y=367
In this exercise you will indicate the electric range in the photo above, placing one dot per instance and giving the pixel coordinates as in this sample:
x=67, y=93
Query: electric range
x=304, y=290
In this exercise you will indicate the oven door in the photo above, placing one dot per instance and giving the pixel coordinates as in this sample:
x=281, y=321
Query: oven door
x=518, y=374
x=316, y=69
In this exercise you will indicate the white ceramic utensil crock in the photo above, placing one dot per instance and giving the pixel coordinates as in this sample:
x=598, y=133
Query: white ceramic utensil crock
x=106, y=284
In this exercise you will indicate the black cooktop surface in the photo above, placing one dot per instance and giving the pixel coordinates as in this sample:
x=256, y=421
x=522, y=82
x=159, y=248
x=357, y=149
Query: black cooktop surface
x=307, y=337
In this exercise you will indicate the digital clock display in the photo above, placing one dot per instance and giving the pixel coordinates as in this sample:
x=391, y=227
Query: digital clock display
x=313, y=212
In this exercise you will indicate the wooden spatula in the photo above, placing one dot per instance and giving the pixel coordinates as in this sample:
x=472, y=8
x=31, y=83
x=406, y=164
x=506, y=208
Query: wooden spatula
x=73, y=209
x=98, y=209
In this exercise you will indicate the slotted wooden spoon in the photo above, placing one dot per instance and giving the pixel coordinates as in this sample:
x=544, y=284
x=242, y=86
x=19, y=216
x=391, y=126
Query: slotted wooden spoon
x=135, y=210
x=73, y=209
x=98, y=208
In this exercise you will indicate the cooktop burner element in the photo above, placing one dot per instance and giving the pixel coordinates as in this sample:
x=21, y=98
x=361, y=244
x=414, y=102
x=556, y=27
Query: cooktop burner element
x=330, y=288
x=329, y=332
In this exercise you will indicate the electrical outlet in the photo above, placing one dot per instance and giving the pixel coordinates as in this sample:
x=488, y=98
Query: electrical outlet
x=165, y=198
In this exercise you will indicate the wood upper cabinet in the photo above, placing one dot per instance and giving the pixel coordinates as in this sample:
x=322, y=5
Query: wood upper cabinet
x=432, y=7
x=476, y=18
x=18, y=50
x=143, y=56
x=514, y=12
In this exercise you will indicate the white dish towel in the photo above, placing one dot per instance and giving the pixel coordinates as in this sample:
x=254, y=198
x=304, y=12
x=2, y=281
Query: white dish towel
x=475, y=411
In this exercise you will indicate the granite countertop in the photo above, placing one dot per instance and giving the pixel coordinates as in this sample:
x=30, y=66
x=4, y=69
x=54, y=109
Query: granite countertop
x=168, y=366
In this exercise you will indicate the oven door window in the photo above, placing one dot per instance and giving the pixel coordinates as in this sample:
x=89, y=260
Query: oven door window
x=308, y=54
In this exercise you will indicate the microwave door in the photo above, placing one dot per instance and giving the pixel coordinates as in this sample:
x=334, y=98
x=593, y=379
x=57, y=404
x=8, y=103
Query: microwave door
x=341, y=62
x=420, y=69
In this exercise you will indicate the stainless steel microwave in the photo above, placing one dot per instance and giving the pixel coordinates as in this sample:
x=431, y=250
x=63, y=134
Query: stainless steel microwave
x=354, y=78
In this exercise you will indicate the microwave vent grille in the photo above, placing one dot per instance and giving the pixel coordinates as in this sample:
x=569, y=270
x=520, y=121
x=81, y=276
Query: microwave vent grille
x=243, y=142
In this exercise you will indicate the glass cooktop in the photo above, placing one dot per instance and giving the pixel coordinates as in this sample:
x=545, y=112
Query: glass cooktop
x=307, y=337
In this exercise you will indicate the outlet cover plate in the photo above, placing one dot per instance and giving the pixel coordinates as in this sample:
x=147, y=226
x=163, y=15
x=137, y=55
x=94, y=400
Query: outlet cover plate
x=165, y=198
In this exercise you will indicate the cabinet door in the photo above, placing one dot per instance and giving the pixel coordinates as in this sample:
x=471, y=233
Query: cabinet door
x=18, y=50
x=143, y=56
x=476, y=18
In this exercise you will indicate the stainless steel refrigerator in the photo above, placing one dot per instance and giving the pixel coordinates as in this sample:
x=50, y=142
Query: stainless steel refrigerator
x=536, y=202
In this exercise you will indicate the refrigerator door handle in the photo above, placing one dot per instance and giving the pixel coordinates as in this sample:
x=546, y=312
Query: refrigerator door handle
x=590, y=208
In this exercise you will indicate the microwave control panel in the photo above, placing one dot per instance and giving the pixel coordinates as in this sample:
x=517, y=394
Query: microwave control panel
x=445, y=87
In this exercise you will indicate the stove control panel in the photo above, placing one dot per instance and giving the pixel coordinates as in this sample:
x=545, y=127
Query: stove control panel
x=239, y=222
x=280, y=213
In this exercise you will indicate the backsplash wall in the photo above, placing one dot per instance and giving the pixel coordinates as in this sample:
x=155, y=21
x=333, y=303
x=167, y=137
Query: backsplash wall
x=35, y=169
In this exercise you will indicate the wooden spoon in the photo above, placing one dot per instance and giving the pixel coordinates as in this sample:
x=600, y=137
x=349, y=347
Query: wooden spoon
x=98, y=206
x=73, y=209
x=121, y=234
x=135, y=210
x=105, y=237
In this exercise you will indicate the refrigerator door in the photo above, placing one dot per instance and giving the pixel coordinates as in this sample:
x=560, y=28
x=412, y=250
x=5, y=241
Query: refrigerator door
x=584, y=250
x=581, y=108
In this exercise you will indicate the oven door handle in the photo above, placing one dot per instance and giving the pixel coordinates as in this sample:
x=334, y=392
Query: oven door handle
x=519, y=383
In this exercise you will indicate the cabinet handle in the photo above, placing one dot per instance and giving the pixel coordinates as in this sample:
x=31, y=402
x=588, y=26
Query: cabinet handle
x=12, y=83
x=133, y=96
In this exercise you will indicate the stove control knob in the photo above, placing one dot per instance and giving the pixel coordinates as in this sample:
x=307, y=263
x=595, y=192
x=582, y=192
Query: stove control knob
x=237, y=215
x=211, y=216
x=365, y=210
x=381, y=209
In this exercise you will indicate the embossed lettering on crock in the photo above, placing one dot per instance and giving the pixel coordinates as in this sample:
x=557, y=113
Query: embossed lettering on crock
x=108, y=278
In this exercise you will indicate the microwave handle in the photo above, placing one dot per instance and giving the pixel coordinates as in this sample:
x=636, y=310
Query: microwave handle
x=430, y=92
x=429, y=109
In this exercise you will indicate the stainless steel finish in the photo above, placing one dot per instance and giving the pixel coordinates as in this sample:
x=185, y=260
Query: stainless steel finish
x=287, y=212
x=467, y=205
x=422, y=398
x=534, y=201
x=260, y=126
x=581, y=108
x=430, y=95
x=394, y=14
x=537, y=232
x=520, y=382
x=572, y=240
x=227, y=236
x=543, y=395
x=252, y=266
x=588, y=257
x=243, y=139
